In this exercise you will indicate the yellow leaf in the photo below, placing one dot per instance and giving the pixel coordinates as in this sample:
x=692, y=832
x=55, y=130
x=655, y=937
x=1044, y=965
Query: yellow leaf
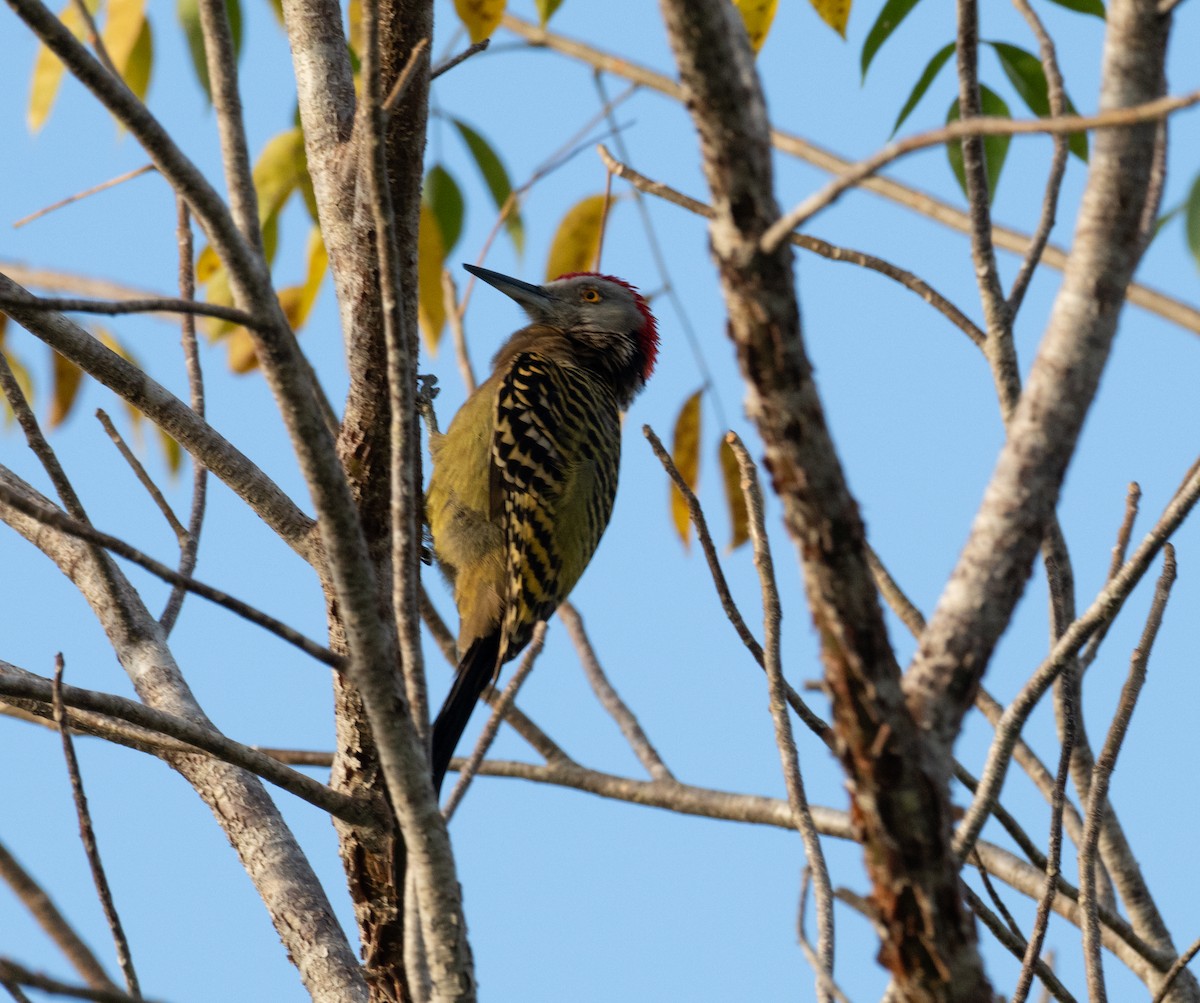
x=739, y=519
x=172, y=452
x=297, y=301
x=835, y=13
x=685, y=451
x=354, y=26
x=207, y=264
x=67, y=376
x=431, y=258
x=125, y=32
x=757, y=16
x=577, y=239
x=480, y=16
x=48, y=71
x=278, y=171
x=242, y=356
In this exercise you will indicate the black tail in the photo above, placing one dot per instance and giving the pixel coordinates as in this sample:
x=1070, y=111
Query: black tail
x=475, y=671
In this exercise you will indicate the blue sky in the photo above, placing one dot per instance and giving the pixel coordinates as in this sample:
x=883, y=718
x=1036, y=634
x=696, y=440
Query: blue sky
x=568, y=896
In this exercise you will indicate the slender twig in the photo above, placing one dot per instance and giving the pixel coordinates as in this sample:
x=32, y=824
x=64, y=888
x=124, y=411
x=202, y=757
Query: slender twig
x=941, y=212
x=998, y=348
x=195, y=375
x=654, y=245
x=988, y=886
x=221, y=59
x=448, y=64
x=96, y=39
x=1103, y=609
x=492, y=728
x=113, y=308
x=1058, y=800
x=87, y=834
x=458, y=334
x=12, y=973
x=784, y=739
x=1149, y=111
x=696, y=514
x=609, y=698
x=103, y=186
x=396, y=94
x=1016, y=946
x=833, y=252
x=1173, y=972
x=1057, y=99
x=31, y=894
x=140, y=472
x=1105, y=763
x=17, y=684
x=72, y=527
x=824, y=979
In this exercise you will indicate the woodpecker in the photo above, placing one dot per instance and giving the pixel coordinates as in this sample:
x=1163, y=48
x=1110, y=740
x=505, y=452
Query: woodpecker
x=524, y=478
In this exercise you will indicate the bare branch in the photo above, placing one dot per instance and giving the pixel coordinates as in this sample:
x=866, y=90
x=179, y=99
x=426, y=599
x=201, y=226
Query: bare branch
x=13, y=974
x=467, y=773
x=87, y=834
x=825, y=249
x=86, y=193
x=1174, y=310
x=1105, y=764
x=789, y=758
x=115, y=308
x=144, y=478
x=53, y=922
x=12, y=495
x=609, y=698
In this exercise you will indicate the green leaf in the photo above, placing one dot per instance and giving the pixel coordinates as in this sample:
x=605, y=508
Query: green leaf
x=445, y=199
x=188, y=12
x=894, y=11
x=1192, y=222
x=496, y=179
x=1094, y=7
x=932, y=69
x=995, y=148
x=546, y=9
x=1028, y=77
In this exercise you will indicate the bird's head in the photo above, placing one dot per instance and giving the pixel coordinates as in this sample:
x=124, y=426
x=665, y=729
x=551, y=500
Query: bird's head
x=605, y=320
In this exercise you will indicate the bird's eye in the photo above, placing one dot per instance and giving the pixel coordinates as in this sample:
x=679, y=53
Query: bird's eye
x=590, y=296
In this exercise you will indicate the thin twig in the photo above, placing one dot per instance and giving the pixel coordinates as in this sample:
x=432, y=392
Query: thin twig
x=448, y=64
x=195, y=375
x=936, y=210
x=1057, y=96
x=16, y=684
x=1105, y=763
x=72, y=527
x=696, y=513
x=1103, y=609
x=14, y=974
x=1016, y=947
x=53, y=923
x=396, y=95
x=789, y=757
x=95, y=189
x=96, y=39
x=88, y=836
x=1173, y=972
x=140, y=472
x=454, y=317
x=113, y=308
x=609, y=698
x=1149, y=111
x=1058, y=801
x=832, y=252
x=500, y=708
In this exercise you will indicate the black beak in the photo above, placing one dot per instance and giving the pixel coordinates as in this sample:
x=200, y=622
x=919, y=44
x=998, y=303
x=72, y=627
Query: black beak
x=526, y=293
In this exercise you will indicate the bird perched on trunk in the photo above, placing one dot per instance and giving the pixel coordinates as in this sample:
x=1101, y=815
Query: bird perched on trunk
x=524, y=478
